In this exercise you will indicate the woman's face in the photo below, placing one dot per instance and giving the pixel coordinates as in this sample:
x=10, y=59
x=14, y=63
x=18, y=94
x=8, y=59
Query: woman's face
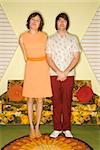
x=35, y=23
x=61, y=24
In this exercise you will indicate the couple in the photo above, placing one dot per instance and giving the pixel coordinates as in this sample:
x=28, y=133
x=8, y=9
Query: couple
x=61, y=52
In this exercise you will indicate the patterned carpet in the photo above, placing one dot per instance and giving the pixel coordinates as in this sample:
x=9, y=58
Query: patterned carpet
x=47, y=143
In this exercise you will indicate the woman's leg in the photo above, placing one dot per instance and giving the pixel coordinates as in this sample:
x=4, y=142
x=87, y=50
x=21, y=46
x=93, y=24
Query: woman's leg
x=30, y=116
x=39, y=108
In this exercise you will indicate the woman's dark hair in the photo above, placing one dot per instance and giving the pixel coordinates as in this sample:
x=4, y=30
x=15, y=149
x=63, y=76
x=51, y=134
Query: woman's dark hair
x=33, y=15
x=65, y=17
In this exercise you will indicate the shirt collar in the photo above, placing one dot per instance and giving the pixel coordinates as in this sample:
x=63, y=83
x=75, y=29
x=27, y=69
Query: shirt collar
x=64, y=36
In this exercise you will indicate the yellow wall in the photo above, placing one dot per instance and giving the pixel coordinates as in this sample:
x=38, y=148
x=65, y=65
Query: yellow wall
x=80, y=14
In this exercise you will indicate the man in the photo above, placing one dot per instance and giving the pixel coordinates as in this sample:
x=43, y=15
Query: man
x=63, y=53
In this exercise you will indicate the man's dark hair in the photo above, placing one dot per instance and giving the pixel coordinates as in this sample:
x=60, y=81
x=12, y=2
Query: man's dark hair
x=65, y=17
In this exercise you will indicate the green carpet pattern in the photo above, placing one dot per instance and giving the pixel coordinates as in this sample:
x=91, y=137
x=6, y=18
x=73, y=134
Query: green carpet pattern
x=87, y=133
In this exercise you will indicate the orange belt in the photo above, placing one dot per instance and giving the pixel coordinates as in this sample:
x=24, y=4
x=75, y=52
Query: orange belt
x=36, y=58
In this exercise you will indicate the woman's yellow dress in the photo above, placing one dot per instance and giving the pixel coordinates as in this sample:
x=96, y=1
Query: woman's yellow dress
x=36, y=79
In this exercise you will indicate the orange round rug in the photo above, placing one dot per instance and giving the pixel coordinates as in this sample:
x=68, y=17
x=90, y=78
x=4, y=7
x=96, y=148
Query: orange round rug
x=47, y=143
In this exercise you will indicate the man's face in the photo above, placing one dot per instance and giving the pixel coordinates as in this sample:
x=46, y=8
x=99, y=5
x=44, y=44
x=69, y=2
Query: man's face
x=61, y=24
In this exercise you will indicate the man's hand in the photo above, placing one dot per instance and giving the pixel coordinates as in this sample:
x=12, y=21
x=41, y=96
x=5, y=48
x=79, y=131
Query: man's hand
x=61, y=76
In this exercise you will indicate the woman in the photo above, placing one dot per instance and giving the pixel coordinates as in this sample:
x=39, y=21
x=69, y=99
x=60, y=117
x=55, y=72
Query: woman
x=37, y=80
